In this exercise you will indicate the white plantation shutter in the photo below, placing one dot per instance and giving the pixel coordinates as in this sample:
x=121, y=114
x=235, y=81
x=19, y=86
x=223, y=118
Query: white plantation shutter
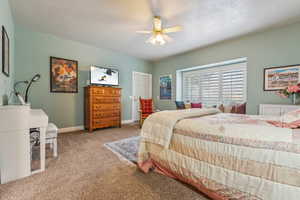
x=216, y=85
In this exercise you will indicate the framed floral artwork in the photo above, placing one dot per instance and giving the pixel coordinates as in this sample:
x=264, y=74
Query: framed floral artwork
x=63, y=75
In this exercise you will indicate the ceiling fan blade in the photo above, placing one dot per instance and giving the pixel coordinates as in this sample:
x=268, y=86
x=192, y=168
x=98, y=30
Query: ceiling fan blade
x=167, y=38
x=157, y=24
x=144, y=32
x=150, y=39
x=172, y=29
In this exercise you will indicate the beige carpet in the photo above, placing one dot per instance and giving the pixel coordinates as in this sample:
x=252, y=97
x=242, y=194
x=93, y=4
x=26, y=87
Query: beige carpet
x=86, y=170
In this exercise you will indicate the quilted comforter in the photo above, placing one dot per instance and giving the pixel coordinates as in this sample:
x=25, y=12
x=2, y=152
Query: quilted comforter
x=226, y=156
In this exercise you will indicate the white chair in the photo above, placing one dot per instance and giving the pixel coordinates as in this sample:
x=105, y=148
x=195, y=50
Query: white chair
x=51, y=137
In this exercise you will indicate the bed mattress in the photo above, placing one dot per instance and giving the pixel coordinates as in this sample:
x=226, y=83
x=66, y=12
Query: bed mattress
x=229, y=156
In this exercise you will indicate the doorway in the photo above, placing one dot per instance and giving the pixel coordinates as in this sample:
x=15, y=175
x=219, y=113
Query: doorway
x=141, y=87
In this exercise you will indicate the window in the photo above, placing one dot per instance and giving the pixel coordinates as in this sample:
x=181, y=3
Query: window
x=215, y=85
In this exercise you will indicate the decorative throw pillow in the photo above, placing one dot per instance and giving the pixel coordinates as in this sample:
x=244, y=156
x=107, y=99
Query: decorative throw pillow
x=187, y=106
x=241, y=108
x=228, y=109
x=196, y=105
x=291, y=116
x=221, y=108
x=233, y=109
x=288, y=120
x=292, y=125
x=180, y=104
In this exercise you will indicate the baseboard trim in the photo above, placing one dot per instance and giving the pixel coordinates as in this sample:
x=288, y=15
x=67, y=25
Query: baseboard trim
x=70, y=129
x=80, y=128
x=127, y=121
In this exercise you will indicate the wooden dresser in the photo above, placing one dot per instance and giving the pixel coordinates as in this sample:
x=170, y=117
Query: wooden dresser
x=102, y=107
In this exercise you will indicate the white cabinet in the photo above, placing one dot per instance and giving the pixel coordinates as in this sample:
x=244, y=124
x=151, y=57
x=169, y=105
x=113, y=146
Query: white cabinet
x=22, y=131
x=276, y=109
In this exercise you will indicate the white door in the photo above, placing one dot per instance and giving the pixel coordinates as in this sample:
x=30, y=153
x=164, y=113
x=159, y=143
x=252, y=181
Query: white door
x=141, y=87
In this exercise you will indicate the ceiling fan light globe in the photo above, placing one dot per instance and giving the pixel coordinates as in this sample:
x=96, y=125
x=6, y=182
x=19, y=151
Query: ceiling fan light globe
x=159, y=36
x=162, y=42
x=157, y=39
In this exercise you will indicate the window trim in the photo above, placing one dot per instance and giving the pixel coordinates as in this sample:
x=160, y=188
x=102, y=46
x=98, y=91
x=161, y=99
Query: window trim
x=179, y=74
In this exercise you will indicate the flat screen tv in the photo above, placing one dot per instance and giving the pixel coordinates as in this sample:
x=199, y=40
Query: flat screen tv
x=104, y=76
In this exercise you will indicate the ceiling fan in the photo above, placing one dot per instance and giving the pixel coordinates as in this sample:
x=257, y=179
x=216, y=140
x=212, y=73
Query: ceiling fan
x=159, y=34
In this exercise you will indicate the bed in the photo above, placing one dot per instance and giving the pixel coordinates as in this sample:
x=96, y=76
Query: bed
x=225, y=156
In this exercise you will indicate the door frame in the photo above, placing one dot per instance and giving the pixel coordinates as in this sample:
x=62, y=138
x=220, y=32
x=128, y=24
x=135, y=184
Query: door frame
x=133, y=90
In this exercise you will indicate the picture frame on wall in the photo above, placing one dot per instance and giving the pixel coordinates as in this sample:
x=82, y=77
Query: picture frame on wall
x=5, y=52
x=165, y=87
x=278, y=78
x=63, y=75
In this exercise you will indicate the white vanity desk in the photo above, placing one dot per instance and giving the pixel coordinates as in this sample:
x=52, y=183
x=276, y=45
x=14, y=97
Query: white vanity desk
x=22, y=141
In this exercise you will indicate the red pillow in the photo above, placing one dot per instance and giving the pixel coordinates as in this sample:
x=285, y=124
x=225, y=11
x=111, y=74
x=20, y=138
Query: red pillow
x=196, y=105
x=241, y=108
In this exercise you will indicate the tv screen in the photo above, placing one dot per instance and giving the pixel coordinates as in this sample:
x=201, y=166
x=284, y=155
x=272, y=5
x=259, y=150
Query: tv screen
x=104, y=76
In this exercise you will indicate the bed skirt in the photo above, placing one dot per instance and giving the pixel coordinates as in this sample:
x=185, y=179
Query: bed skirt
x=151, y=164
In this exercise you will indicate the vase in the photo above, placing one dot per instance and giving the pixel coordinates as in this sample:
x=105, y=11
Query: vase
x=294, y=98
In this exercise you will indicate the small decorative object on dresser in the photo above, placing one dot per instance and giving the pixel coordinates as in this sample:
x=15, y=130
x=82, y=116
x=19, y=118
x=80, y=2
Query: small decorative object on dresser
x=291, y=91
x=102, y=107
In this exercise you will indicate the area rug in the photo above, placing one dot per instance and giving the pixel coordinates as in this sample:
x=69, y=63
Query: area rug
x=126, y=149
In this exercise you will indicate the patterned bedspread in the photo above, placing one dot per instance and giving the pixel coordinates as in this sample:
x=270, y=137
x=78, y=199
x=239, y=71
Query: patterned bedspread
x=229, y=156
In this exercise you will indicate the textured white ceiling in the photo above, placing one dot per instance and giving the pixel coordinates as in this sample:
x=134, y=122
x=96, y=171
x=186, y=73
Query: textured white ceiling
x=112, y=23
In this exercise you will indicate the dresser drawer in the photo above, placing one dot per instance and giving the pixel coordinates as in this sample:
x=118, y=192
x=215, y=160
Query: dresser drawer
x=101, y=115
x=102, y=99
x=103, y=107
x=98, y=91
x=114, y=92
x=111, y=121
x=106, y=92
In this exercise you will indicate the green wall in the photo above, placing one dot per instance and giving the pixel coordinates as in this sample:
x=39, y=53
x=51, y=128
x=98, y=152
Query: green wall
x=33, y=50
x=276, y=47
x=6, y=20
